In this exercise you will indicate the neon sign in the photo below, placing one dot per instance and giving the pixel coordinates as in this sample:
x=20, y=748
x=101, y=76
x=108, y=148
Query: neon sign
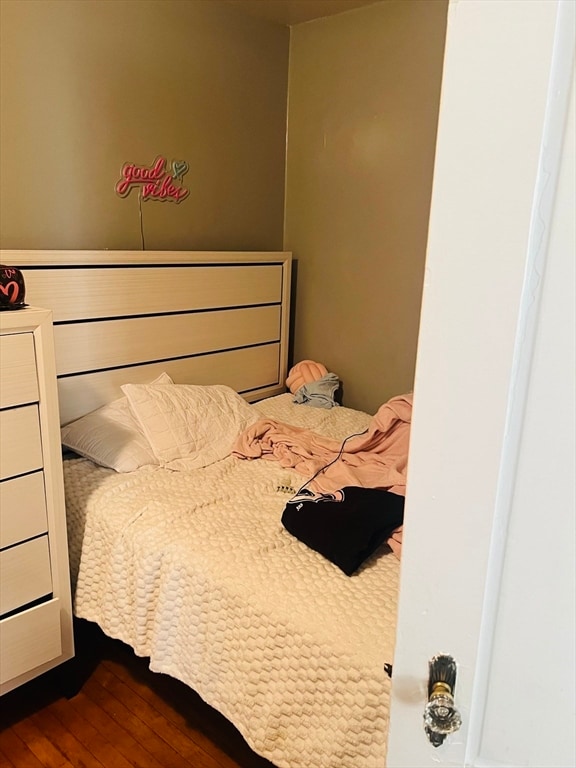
x=156, y=182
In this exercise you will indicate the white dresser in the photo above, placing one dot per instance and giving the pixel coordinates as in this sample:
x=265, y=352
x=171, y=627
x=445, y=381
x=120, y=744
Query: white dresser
x=35, y=602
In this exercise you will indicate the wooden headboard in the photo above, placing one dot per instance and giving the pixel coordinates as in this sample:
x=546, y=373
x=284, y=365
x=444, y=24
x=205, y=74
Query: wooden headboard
x=126, y=316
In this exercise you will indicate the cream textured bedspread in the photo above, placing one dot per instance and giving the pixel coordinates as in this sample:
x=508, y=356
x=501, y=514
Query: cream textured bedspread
x=194, y=570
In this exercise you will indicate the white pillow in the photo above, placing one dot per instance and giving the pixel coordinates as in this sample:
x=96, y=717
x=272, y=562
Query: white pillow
x=189, y=426
x=111, y=437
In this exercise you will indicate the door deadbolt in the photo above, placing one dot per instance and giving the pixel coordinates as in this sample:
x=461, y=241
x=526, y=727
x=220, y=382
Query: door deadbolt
x=440, y=715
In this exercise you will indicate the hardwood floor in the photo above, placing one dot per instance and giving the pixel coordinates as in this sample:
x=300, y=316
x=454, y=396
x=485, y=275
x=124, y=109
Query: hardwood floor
x=124, y=716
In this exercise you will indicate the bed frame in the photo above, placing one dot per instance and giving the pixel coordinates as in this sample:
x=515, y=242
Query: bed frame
x=126, y=316
x=213, y=318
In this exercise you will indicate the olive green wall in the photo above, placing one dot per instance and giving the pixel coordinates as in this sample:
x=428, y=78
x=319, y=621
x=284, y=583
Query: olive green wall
x=87, y=85
x=363, y=105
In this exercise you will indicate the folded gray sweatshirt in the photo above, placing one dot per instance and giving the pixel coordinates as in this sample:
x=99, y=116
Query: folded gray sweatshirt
x=320, y=393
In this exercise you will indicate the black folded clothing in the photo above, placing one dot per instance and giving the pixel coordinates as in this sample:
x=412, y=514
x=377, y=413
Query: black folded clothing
x=345, y=527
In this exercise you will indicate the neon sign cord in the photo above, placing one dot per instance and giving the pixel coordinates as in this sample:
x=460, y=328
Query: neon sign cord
x=141, y=220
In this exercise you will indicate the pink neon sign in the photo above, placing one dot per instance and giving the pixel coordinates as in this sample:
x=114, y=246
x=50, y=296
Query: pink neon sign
x=155, y=182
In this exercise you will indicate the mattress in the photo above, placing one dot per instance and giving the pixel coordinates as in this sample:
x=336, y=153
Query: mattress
x=195, y=571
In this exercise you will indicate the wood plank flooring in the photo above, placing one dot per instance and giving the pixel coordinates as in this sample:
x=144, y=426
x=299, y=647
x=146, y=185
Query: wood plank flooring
x=123, y=716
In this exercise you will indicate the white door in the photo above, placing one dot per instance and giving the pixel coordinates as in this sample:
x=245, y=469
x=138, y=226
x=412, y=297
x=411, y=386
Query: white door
x=488, y=560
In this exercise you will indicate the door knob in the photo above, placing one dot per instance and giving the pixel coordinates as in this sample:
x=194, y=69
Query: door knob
x=440, y=715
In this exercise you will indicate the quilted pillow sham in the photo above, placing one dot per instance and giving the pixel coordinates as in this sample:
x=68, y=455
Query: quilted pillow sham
x=189, y=426
x=111, y=437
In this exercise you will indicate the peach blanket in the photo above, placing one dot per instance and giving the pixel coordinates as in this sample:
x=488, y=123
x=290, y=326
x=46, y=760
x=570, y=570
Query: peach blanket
x=375, y=459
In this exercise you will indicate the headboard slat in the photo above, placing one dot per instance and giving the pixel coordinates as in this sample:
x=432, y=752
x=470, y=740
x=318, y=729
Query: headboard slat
x=141, y=289
x=111, y=344
x=252, y=372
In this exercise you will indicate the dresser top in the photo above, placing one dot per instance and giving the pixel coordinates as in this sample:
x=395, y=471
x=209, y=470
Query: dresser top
x=23, y=319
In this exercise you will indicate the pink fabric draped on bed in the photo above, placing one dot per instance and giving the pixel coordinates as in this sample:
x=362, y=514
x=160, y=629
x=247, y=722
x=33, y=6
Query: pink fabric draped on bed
x=375, y=459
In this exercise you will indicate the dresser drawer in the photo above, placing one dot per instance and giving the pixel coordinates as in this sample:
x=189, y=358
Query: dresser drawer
x=20, y=443
x=25, y=574
x=22, y=509
x=29, y=639
x=18, y=381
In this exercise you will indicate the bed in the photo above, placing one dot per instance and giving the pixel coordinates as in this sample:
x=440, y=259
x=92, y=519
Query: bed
x=186, y=558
